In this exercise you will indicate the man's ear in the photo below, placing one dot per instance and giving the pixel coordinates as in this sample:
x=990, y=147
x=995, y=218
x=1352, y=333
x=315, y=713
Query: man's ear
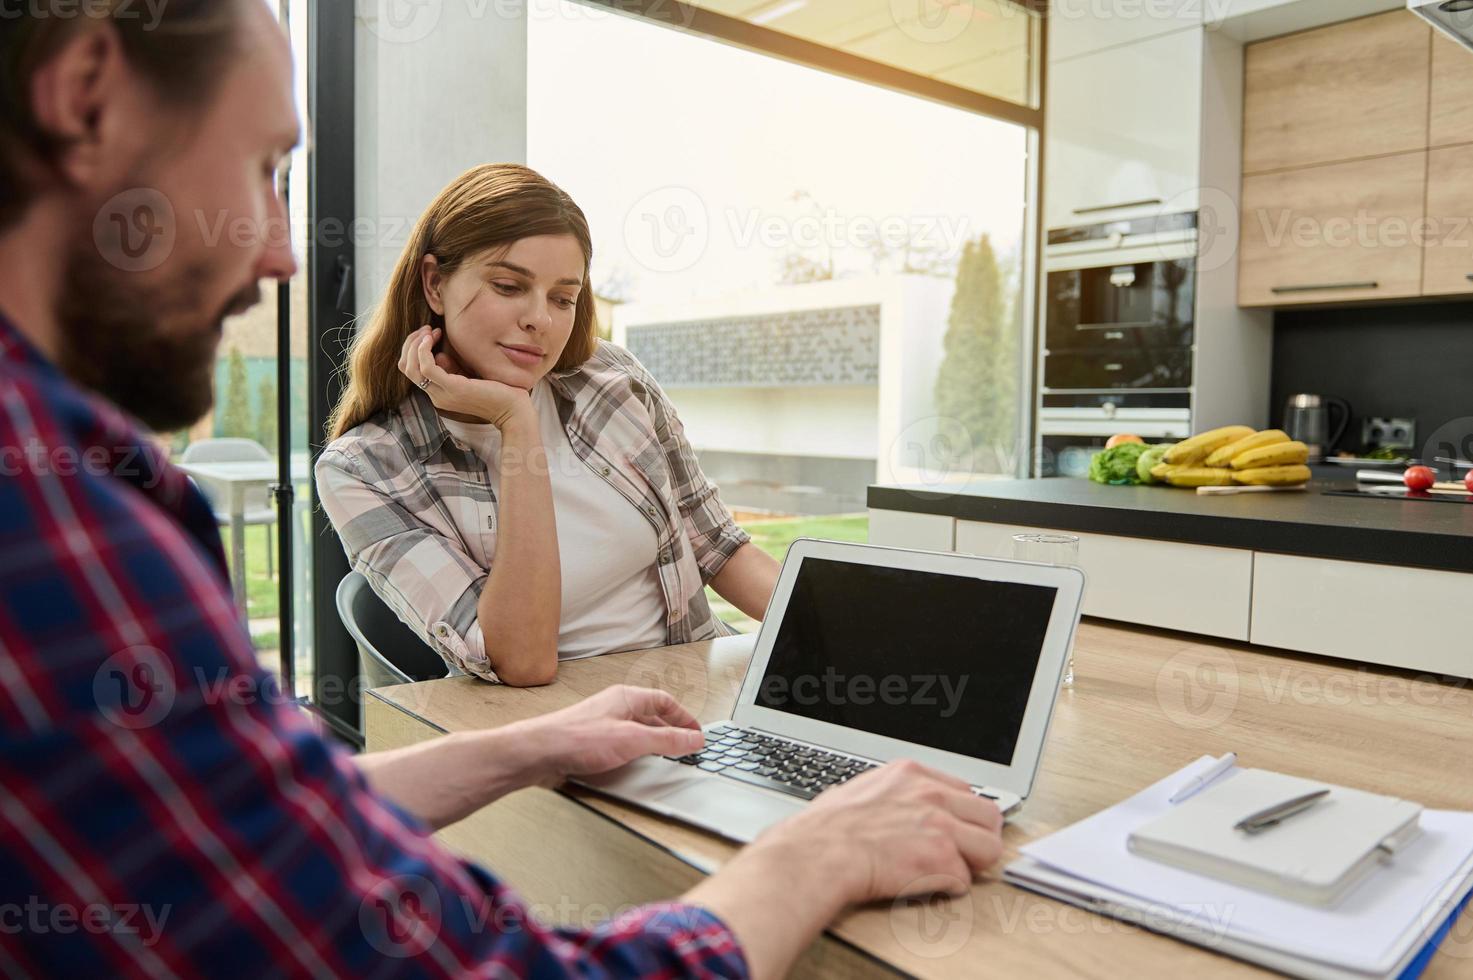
x=431, y=280
x=82, y=98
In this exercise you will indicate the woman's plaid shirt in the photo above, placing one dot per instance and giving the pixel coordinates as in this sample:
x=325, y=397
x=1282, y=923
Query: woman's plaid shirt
x=417, y=514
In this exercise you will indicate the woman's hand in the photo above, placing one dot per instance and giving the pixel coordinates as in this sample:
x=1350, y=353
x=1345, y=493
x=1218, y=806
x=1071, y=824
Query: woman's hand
x=445, y=381
x=615, y=726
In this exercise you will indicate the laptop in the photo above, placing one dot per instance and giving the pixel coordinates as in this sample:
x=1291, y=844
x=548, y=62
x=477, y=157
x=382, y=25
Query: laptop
x=869, y=654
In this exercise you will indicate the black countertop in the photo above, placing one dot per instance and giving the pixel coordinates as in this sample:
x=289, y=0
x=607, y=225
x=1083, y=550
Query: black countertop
x=1415, y=533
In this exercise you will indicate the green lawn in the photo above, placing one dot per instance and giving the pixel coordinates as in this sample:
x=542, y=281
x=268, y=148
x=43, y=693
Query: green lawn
x=774, y=536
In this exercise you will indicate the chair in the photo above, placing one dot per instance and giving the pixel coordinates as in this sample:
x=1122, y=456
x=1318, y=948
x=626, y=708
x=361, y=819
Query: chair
x=388, y=650
x=258, y=509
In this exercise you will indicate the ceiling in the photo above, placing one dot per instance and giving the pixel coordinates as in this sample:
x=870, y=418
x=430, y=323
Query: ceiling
x=981, y=45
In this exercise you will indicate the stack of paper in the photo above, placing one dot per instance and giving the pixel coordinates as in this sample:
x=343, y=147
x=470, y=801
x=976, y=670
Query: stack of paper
x=1379, y=930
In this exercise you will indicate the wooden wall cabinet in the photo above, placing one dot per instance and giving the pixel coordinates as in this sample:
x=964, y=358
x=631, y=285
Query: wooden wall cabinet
x=1357, y=165
x=1342, y=232
x=1451, y=119
x=1341, y=92
x=1448, y=266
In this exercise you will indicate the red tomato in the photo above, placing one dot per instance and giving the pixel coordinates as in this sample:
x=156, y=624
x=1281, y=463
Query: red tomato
x=1419, y=478
x=1468, y=481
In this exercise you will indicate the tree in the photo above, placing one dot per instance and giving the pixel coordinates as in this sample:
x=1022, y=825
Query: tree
x=977, y=385
x=235, y=407
x=266, y=413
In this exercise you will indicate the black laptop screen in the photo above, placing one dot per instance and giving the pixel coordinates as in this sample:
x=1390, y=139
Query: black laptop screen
x=945, y=661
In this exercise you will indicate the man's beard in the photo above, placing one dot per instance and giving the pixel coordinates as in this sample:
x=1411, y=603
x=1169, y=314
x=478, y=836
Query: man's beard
x=148, y=349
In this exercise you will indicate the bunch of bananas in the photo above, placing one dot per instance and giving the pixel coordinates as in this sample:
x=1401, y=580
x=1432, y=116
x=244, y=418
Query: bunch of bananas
x=1235, y=454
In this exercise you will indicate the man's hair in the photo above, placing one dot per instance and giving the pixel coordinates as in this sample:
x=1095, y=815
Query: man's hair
x=177, y=47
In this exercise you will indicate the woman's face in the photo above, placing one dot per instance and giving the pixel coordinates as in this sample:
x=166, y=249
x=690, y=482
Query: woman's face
x=509, y=311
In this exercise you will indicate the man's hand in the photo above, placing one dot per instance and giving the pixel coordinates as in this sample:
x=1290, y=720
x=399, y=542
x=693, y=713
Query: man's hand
x=901, y=830
x=615, y=726
x=903, y=827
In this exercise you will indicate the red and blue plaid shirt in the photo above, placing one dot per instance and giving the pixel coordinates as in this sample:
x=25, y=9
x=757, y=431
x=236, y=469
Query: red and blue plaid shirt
x=163, y=811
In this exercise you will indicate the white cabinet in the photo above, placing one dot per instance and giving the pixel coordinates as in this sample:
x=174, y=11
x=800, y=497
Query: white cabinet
x=898, y=529
x=1123, y=131
x=1383, y=614
x=1079, y=27
x=1196, y=588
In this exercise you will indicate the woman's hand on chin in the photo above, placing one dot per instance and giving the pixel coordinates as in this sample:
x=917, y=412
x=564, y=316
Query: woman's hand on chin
x=452, y=390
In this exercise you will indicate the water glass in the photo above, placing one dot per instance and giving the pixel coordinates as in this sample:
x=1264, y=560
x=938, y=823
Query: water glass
x=1050, y=549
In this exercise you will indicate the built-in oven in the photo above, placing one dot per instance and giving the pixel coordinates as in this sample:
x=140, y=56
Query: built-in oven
x=1117, y=342
x=1120, y=305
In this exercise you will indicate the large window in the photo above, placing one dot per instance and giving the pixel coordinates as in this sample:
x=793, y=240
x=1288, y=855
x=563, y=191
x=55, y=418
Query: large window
x=826, y=275
x=234, y=453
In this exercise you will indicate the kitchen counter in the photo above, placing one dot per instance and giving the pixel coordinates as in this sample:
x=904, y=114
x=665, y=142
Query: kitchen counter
x=1413, y=533
x=1355, y=578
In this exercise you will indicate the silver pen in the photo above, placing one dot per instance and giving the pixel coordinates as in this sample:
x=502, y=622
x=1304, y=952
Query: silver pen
x=1262, y=820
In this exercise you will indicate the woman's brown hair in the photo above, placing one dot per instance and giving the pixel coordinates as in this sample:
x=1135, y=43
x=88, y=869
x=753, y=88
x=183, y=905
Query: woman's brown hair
x=487, y=207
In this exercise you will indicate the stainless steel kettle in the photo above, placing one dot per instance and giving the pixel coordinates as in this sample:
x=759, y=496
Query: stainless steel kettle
x=1307, y=419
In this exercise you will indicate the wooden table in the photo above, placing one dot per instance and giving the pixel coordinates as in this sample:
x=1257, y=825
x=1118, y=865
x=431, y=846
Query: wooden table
x=1145, y=704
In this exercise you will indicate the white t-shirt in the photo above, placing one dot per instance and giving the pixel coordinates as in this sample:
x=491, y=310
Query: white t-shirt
x=611, y=597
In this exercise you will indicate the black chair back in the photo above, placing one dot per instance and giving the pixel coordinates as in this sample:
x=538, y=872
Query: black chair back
x=388, y=650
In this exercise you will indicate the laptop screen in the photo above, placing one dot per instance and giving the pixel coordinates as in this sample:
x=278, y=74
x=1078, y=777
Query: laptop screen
x=945, y=661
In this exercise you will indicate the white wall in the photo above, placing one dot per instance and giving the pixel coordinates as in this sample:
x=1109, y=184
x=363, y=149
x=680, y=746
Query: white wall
x=875, y=422
x=838, y=421
x=437, y=94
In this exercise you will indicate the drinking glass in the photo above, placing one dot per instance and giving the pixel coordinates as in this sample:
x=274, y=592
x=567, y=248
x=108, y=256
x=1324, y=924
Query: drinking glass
x=1050, y=549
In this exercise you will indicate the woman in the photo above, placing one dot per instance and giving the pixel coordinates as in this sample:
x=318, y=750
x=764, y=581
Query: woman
x=516, y=490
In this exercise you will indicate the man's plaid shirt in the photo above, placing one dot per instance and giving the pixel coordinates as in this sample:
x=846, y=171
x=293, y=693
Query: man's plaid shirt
x=163, y=812
x=417, y=514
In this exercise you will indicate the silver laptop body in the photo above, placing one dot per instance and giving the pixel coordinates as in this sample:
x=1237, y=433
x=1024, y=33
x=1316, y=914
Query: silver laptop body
x=867, y=655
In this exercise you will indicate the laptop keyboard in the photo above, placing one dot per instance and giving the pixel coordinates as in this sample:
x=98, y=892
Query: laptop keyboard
x=772, y=762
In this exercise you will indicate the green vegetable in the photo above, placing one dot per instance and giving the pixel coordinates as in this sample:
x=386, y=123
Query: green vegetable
x=1153, y=456
x=1117, y=466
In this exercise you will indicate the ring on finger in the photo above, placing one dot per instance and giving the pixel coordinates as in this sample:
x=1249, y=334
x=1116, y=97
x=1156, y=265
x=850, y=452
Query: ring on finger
x=424, y=384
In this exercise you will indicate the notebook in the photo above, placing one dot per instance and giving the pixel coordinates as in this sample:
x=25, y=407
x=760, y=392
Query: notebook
x=1315, y=856
x=1387, y=930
